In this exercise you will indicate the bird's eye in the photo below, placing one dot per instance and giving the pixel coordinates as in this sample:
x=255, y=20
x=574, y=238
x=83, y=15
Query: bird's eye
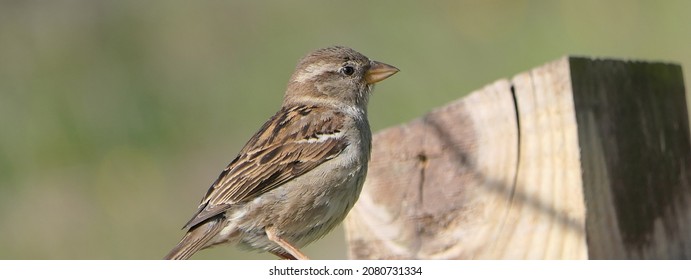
x=348, y=70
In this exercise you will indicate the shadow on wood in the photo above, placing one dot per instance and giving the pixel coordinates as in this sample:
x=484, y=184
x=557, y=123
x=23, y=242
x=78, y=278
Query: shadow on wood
x=576, y=159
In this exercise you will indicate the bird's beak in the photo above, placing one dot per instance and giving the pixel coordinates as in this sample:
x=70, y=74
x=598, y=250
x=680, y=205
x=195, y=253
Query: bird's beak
x=379, y=71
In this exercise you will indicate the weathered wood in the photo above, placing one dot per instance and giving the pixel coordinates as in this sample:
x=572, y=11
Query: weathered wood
x=636, y=158
x=576, y=159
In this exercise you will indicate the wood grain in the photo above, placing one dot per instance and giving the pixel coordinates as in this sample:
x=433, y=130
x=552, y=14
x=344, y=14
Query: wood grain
x=542, y=166
x=636, y=158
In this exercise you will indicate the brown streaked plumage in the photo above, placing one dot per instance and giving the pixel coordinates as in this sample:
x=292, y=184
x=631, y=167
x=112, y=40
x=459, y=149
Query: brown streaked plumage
x=300, y=174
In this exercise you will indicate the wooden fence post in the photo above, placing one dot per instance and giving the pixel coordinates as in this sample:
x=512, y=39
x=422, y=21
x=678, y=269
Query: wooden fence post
x=576, y=159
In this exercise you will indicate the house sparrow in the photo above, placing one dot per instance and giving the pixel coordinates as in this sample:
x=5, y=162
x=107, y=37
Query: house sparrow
x=300, y=174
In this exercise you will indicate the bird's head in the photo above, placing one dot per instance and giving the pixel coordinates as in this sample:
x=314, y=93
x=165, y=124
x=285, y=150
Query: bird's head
x=337, y=76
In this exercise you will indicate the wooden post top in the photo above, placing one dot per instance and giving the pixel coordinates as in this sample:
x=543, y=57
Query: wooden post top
x=577, y=159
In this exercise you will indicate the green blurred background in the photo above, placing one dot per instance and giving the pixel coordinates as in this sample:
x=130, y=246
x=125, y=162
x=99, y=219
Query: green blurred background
x=115, y=116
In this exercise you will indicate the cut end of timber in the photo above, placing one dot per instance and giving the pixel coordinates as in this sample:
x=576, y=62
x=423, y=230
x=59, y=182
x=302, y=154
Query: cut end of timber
x=579, y=158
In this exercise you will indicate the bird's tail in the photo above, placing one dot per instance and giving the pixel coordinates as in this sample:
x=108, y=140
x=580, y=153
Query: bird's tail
x=197, y=238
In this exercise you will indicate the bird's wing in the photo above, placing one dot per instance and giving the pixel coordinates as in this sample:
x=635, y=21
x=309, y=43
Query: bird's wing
x=293, y=142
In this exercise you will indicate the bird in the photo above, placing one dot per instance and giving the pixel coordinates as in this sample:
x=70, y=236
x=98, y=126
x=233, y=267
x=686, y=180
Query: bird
x=302, y=171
